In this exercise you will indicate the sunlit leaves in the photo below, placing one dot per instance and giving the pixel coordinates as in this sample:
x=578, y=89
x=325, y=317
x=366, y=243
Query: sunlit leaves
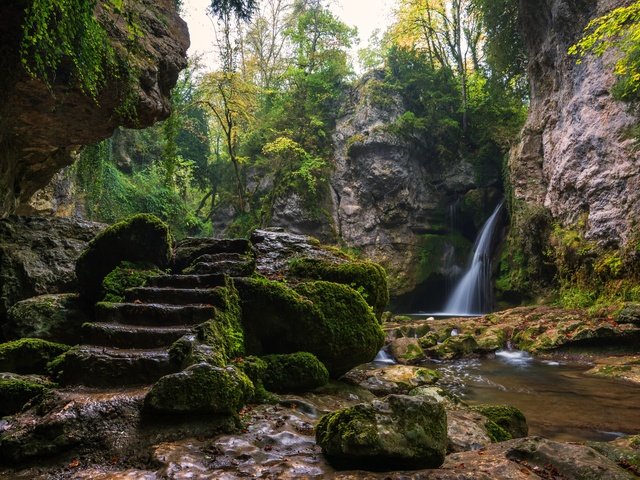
x=620, y=28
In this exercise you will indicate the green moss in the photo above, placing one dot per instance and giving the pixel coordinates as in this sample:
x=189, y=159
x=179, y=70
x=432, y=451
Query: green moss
x=508, y=418
x=454, y=347
x=141, y=238
x=201, y=388
x=496, y=432
x=330, y=320
x=294, y=372
x=355, y=425
x=216, y=341
x=433, y=247
x=124, y=276
x=255, y=368
x=16, y=392
x=29, y=355
x=368, y=278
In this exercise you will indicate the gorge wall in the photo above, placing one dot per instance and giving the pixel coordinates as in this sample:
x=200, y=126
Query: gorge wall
x=41, y=128
x=576, y=157
x=575, y=175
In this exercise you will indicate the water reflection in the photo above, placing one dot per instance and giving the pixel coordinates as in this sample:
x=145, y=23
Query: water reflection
x=559, y=400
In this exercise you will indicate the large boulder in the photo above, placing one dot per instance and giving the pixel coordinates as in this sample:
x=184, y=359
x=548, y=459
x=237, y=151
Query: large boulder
x=29, y=355
x=201, y=388
x=56, y=317
x=330, y=320
x=38, y=256
x=141, y=238
x=397, y=433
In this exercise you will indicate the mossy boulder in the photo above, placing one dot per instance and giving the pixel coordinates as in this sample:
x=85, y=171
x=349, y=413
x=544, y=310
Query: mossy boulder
x=141, y=238
x=56, y=318
x=330, y=320
x=454, y=347
x=255, y=368
x=629, y=313
x=201, y=388
x=391, y=378
x=17, y=390
x=294, y=372
x=505, y=422
x=127, y=275
x=368, y=278
x=397, y=433
x=29, y=355
x=406, y=350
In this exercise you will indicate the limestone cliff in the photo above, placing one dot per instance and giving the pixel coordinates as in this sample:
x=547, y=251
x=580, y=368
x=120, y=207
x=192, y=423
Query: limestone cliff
x=415, y=215
x=41, y=128
x=576, y=157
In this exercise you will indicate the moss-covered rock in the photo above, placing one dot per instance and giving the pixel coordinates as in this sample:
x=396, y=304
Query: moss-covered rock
x=454, y=347
x=255, y=368
x=397, y=433
x=406, y=350
x=510, y=422
x=16, y=391
x=216, y=341
x=201, y=388
x=56, y=318
x=391, y=378
x=29, y=355
x=330, y=320
x=141, y=238
x=294, y=372
x=368, y=278
x=127, y=275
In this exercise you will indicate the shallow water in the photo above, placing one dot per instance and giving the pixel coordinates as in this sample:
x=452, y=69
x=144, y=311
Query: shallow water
x=558, y=399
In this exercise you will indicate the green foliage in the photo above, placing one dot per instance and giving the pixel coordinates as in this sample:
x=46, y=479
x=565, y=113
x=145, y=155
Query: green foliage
x=124, y=276
x=620, y=29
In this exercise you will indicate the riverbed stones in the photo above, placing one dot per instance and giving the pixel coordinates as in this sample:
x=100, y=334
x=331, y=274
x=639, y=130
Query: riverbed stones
x=406, y=350
x=397, y=433
x=391, y=379
x=507, y=417
x=454, y=347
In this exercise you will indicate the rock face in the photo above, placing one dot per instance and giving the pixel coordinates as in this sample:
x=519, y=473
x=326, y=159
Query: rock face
x=40, y=129
x=575, y=158
x=391, y=203
x=38, y=255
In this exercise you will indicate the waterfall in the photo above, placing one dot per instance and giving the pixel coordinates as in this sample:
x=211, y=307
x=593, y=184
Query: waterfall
x=472, y=294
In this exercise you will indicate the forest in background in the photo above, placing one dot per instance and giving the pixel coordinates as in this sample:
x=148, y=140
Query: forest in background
x=260, y=126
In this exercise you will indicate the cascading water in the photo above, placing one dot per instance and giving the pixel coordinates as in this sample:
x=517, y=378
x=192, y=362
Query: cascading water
x=472, y=294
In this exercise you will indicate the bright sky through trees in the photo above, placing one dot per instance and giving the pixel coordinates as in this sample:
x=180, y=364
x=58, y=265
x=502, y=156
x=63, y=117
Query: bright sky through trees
x=366, y=15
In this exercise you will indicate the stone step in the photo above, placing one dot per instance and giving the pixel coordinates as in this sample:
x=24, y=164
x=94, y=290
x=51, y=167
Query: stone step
x=176, y=296
x=153, y=314
x=131, y=336
x=96, y=366
x=228, y=267
x=189, y=249
x=186, y=281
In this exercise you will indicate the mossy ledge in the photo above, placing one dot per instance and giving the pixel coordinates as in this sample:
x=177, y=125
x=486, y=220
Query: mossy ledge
x=140, y=238
x=29, y=355
x=127, y=275
x=294, y=372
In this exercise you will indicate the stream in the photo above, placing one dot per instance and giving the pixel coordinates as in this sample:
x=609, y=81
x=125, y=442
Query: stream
x=558, y=399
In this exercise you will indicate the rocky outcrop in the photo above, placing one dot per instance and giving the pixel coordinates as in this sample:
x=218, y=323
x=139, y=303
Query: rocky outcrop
x=392, y=204
x=576, y=157
x=38, y=256
x=40, y=128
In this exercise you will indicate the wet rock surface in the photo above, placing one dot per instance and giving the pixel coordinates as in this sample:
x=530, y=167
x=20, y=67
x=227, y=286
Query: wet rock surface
x=38, y=256
x=390, y=379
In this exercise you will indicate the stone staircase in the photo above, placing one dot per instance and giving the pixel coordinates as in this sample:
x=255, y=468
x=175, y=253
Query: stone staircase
x=128, y=343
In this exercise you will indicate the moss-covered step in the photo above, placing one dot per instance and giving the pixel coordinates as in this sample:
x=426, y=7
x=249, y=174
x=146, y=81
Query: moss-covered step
x=176, y=296
x=188, y=250
x=153, y=314
x=233, y=268
x=187, y=281
x=131, y=336
x=96, y=366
